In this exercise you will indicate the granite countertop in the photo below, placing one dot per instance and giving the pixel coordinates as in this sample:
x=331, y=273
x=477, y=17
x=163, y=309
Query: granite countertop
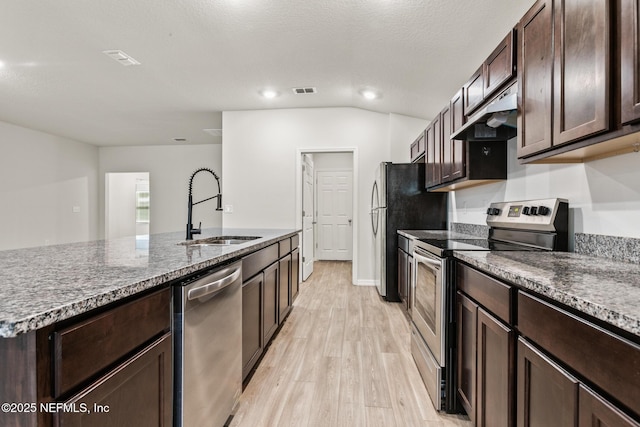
x=43, y=285
x=607, y=290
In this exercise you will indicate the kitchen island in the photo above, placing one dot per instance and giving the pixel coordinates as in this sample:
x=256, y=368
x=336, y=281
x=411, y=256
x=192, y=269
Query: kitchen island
x=81, y=323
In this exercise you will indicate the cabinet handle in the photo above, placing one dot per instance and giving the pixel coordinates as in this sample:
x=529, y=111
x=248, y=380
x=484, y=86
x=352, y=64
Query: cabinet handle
x=214, y=286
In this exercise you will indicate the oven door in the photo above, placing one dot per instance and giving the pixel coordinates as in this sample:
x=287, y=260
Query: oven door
x=428, y=301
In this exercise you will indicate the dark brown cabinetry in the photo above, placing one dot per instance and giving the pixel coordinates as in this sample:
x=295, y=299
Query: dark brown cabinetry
x=418, y=148
x=453, y=151
x=535, y=67
x=137, y=393
x=547, y=394
x=564, y=63
x=433, y=159
x=405, y=271
x=485, y=377
x=594, y=411
x=270, y=285
x=252, y=338
x=499, y=67
x=630, y=60
x=474, y=91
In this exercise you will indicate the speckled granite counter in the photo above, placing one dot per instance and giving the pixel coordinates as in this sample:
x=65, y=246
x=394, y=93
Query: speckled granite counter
x=605, y=289
x=43, y=285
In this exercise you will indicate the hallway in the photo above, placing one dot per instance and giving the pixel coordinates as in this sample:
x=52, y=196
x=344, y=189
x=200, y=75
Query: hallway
x=342, y=358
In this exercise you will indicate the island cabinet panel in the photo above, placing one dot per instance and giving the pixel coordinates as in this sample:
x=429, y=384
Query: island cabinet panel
x=295, y=278
x=284, y=287
x=252, y=338
x=547, y=394
x=535, y=67
x=136, y=393
x=581, y=69
x=83, y=349
x=610, y=362
x=257, y=261
x=630, y=60
x=270, y=305
x=19, y=377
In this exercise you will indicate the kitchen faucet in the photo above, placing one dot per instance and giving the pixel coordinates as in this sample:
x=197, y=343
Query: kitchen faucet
x=190, y=230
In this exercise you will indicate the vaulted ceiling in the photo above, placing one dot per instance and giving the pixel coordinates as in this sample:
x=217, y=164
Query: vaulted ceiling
x=200, y=57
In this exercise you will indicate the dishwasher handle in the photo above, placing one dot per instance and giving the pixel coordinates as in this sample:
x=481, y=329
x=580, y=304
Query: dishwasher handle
x=215, y=286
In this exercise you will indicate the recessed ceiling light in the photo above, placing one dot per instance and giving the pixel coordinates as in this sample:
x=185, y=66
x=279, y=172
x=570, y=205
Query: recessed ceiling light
x=213, y=132
x=269, y=93
x=369, y=94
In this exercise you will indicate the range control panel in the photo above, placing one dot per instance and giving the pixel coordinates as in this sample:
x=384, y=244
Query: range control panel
x=539, y=214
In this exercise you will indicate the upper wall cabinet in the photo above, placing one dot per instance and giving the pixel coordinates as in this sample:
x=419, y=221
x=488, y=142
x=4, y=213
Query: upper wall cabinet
x=579, y=80
x=630, y=61
x=497, y=70
x=417, y=148
x=433, y=158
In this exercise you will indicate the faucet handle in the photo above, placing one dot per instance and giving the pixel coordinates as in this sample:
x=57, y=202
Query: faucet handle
x=197, y=230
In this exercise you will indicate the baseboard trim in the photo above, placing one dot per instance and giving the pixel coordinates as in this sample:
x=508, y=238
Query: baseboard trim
x=365, y=283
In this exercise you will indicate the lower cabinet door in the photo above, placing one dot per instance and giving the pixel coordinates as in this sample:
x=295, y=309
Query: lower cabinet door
x=495, y=372
x=467, y=342
x=595, y=411
x=138, y=393
x=295, y=281
x=252, y=343
x=547, y=394
x=284, y=287
x=271, y=310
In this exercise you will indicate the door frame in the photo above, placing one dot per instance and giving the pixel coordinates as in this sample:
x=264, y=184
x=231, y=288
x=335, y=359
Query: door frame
x=354, y=152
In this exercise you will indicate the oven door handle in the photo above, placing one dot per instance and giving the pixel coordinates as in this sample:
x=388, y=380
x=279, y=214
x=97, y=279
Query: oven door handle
x=430, y=261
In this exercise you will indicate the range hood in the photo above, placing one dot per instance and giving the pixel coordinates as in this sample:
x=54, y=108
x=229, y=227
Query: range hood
x=496, y=121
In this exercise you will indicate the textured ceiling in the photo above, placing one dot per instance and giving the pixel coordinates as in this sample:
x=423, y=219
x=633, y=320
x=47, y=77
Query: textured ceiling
x=201, y=57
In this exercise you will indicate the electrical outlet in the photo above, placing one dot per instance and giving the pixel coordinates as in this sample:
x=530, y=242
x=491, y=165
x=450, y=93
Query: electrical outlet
x=228, y=208
x=76, y=209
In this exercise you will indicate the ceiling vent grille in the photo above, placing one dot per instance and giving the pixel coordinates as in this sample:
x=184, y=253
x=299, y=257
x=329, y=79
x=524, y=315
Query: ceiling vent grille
x=180, y=139
x=121, y=57
x=304, y=90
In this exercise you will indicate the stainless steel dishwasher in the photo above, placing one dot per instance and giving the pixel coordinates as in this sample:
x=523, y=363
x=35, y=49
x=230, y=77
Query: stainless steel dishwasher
x=208, y=347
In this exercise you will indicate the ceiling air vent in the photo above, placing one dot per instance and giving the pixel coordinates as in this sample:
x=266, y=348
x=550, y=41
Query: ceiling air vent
x=121, y=57
x=303, y=90
x=180, y=139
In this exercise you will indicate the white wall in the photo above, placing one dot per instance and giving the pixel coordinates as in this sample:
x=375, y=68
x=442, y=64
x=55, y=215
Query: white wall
x=120, y=204
x=403, y=130
x=169, y=167
x=332, y=161
x=604, y=195
x=259, y=155
x=42, y=178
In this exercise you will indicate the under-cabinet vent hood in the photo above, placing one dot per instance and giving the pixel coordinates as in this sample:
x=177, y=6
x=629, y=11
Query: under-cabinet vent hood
x=496, y=121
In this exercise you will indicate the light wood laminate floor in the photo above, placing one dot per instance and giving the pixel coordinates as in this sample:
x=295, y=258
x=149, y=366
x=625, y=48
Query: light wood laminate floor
x=342, y=358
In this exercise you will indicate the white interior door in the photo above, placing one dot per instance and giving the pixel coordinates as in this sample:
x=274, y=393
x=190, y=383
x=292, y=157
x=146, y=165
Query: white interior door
x=334, y=191
x=307, y=216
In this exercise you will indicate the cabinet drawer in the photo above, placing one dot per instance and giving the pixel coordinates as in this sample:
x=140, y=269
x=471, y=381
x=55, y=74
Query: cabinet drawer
x=284, y=247
x=295, y=241
x=86, y=348
x=256, y=262
x=610, y=362
x=494, y=295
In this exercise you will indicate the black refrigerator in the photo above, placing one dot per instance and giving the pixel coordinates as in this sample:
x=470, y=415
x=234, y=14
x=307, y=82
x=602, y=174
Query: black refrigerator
x=400, y=202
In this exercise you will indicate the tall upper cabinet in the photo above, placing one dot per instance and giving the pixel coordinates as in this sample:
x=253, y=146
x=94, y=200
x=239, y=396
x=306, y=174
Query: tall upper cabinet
x=564, y=76
x=630, y=61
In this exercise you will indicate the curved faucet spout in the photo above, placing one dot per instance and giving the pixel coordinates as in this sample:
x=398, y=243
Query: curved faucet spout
x=190, y=229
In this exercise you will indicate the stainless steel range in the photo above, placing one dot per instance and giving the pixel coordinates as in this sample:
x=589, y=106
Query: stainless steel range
x=514, y=226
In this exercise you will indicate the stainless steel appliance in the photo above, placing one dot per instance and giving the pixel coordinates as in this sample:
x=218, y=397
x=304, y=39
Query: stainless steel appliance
x=399, y=201
x=208, y=346
x=514, y=226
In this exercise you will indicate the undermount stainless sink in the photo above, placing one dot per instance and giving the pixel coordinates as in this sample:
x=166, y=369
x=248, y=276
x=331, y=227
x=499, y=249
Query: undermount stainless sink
x=219, y=241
